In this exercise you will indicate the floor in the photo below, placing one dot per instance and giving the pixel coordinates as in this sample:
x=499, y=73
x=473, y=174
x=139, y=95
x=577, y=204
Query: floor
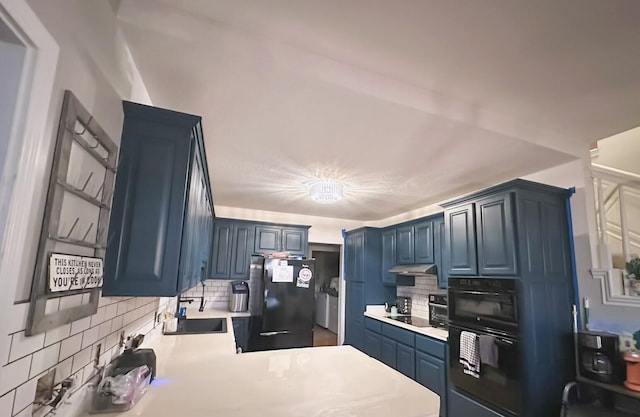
x=323, y=337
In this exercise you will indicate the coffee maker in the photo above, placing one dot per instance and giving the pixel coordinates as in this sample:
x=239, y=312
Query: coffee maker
x=599, y=357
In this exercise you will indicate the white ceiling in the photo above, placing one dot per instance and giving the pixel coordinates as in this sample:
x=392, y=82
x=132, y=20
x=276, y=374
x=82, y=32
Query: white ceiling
x=407, y=102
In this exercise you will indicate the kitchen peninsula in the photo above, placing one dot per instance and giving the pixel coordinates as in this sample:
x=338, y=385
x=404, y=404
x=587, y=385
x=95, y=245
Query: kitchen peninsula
x=200, y=375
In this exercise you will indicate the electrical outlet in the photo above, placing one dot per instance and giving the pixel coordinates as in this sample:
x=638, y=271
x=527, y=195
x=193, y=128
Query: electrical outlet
x=626, y=342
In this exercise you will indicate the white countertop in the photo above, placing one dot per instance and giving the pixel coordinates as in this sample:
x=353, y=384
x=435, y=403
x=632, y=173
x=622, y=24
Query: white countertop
x=378, y=313
x=200, y=375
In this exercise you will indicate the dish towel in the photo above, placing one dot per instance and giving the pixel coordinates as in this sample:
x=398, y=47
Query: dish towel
x=488, y=350
x=469, y=354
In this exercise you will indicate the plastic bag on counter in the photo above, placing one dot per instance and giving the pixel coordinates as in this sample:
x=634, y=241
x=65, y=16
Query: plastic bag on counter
x=120, y=392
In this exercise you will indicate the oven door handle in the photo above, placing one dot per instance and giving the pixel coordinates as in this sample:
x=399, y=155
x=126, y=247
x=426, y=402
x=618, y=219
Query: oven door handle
x=505, y=341
x=477, y=292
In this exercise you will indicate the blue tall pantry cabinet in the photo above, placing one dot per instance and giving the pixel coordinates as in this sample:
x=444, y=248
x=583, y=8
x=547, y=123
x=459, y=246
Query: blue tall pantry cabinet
x=363, y=281
x=161, y=226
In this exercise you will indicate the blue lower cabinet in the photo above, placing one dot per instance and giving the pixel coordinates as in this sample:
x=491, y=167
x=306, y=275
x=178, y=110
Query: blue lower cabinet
x=372, y=345
x=406, y=360
x=431, y=373
x=388, y=349
x=354, y=320
x=463, y=406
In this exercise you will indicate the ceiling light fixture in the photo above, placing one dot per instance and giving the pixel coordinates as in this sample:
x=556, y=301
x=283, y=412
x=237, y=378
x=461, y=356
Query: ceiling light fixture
x=325, y=192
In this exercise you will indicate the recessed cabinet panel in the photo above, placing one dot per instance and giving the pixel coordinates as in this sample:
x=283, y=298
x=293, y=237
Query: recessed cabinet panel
x=354, y=320
x=388, y=256
x=388, y=351
x=496, y=236
x=241, y=251
x=222, y=244
x=404, y=245
x=372, y=344
x=267, y=239
x=294, y=241
x=406, y=360
x=461, y=240
x=423, y=242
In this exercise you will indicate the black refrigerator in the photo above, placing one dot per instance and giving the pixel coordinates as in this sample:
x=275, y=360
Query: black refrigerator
x=281, y=303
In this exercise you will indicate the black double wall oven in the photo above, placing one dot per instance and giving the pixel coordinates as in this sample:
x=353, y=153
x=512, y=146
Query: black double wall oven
x=488, y=308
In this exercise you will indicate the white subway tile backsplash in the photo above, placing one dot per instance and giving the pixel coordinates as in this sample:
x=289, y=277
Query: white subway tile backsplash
x=44, y=359
x=6, y=404
x=89, y=337
x=57, y=334
x=52, y=305
x=116, y=323
x=14, y=374
x=25, y=395
x=99, y=316
x=80, y=325
x=104, y=329
x=110, y=311
x=22, y=345
x=18, y=314
x=70, y=301
x=81, y=359
x=27, y=412
x=63, y=369
x=122, y=308
x=70, y=346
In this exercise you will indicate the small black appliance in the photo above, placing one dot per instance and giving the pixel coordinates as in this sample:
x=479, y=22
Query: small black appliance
x=600, y=358
x=438, y=310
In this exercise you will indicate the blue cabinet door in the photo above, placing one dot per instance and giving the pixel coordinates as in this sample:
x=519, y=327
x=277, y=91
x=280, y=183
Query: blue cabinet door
x=388, y=351
x=294, y=241
x=496, y=235
x=406, y=360
x=459, y=405
x=222, y=249
x=241, y=250
x=423, y=242
x=372, y=344
x=460, y=240
x=388, y=256
x=354, y=257
x=148, y=209
x=404, y=245
x=268, y=239
x=431, y=373
x=441, y=255
x=354, y=312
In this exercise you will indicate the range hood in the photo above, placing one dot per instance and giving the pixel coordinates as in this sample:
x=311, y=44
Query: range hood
x=419, y=270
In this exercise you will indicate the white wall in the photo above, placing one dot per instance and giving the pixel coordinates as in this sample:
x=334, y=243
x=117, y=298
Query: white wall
x=576, y=174
x=323, y=229
x=95, y=64
x=621, y=151
x=11, y=63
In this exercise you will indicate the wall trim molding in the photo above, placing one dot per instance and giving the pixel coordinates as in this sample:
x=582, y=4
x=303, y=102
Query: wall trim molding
x=28, y=149
x=613, y=291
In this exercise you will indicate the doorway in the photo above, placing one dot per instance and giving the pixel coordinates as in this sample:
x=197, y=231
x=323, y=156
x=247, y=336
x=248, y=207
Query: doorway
x=327, y=293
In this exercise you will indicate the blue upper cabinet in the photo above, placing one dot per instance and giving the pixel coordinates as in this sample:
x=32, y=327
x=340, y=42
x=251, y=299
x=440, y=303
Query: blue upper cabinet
x=355, y=257
x=276, y=238
x=496, y=235
x=460, y=240
x=388, y=256
x=405, y=245
x=423, y=242
x=161, y=219
x=232, y=245
x=268, y=239
x=294, y=241
x=440, y=254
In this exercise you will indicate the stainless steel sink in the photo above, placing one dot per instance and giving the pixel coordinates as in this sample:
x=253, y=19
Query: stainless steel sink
x=201, y=326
